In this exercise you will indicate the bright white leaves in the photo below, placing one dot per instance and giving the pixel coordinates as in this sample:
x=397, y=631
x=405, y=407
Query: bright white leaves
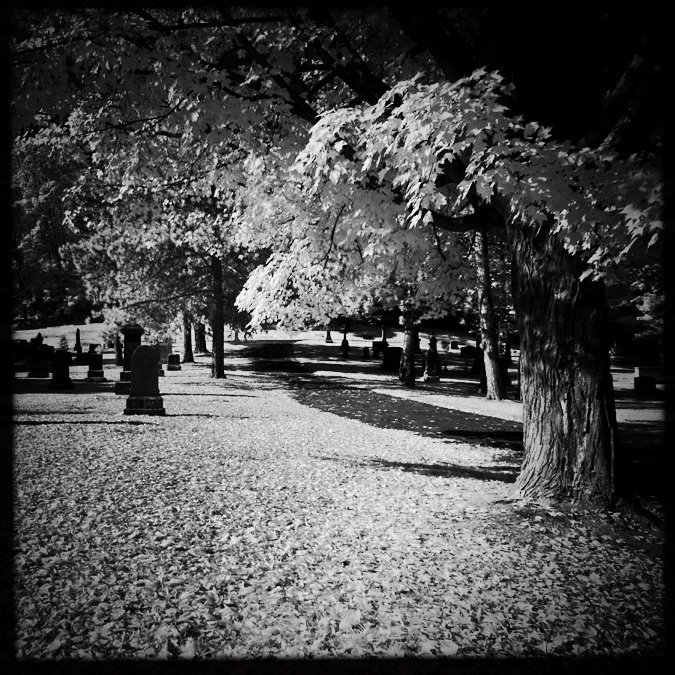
x=264, y=530
x=598, y=205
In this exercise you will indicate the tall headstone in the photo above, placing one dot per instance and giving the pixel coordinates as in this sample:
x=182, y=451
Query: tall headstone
x=132, y=340
x=60, y=371
x=173, y=362
x=344, y=345
x=80, y=359
x=144, y=398
x=328, y=337
x=95, y=372
x=119, y=354
x=377, y=348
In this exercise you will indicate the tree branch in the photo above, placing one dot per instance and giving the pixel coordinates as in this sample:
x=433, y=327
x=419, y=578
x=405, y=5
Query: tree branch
x=332, y=237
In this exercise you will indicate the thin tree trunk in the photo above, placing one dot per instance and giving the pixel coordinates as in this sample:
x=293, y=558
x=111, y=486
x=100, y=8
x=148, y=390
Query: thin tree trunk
x=494, y=382
x=188, y=355
x=217, y=319
x=200, y=338
x=406, y=371
x=569, y=421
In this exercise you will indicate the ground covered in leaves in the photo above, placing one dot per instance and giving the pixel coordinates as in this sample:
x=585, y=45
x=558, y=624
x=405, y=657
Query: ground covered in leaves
x=250, y=521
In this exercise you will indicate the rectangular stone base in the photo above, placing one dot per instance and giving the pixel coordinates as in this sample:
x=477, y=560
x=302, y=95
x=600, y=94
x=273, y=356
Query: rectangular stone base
x=170, y=367
x=95, y=379
x=122, y=387
x=95, y=376
x=39, y=373
x=145, y=405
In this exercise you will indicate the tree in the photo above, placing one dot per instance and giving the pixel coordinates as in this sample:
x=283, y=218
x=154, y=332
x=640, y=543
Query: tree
x=482, y=173
x=564, y=211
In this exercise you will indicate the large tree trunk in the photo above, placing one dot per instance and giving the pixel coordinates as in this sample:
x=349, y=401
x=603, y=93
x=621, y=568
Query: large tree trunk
x=188, y=355
x=569, y=421
x=494, y=383
x=406, y=371
x=217, y=319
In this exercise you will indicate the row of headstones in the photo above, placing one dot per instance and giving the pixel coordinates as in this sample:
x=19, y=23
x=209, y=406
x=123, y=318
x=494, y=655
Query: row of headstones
x=139, y=377
x=391, y=356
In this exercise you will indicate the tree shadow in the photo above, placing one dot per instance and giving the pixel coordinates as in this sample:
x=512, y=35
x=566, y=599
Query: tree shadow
x=33, y=423
x=41, y=386
x=504, y=474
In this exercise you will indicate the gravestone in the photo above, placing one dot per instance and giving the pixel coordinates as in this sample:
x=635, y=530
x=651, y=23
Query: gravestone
x=504, y=363
x=366, y=352
x=377, y=348
x=432, y=363
x=328, y=337
x=119, y=354
x=37, y=358
x=144, y=398
x=165, y=348
x=469, y=352
x=95, y=372
x=60, y=375
x=344, y=345
x=132, y=340
x=80, y=358
x=454, y=344
x=173, y=362
x=94, y=350
x=391, y=359
x=158, y=351
x=644, y=381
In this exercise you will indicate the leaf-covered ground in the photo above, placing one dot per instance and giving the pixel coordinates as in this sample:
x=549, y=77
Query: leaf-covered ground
x=246, y=523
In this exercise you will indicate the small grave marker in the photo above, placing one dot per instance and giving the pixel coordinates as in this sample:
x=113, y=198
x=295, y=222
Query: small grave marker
x=95, y=372
x=644, y=381
x=144, y=398
x=391, y=359
x=173, y=362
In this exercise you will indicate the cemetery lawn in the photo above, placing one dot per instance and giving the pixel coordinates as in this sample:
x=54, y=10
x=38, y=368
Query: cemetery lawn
x=268, y=516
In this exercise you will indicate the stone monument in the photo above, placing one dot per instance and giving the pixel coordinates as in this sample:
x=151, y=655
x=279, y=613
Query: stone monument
x=95, y=372
x=132, y=340
x=144, y=398
x=173, y=362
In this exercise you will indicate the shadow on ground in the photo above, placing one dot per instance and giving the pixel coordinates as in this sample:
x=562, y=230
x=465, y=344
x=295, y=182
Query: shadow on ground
x=642, y=448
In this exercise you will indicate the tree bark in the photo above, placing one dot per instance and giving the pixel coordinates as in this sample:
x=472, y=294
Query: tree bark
x=495, y=389
x=217, y=319
x=200, y=338
x=188, y=355
x=569, y=421
x=406, y=371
